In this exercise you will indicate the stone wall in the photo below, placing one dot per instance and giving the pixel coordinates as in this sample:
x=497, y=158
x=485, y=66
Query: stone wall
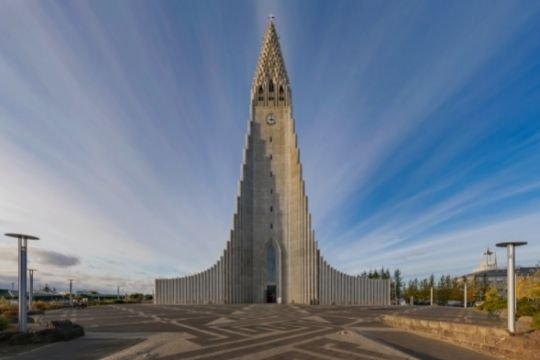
x=495, y=341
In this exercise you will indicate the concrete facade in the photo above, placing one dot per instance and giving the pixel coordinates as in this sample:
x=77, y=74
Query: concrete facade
x=272, y=254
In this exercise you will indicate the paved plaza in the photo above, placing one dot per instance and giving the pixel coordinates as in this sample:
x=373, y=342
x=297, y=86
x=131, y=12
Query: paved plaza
x=250, y=332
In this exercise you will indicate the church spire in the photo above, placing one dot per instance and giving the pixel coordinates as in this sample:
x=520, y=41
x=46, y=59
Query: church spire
x=271, y=83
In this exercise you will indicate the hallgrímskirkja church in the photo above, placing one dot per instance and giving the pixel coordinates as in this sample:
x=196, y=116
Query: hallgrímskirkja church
x=272, y=255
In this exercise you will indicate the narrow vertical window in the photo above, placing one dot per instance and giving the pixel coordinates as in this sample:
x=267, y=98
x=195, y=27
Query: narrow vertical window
x=261, y=95
x=271, y=90
x=271, y=263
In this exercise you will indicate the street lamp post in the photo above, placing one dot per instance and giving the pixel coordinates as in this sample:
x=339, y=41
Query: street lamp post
x=464, y=278
x=23, y=250
x=71, y=292
x=31, y=289
x=511, y=281
x=465, y=294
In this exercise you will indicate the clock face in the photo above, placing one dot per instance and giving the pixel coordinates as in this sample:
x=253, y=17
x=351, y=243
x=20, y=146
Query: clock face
x=270, y=119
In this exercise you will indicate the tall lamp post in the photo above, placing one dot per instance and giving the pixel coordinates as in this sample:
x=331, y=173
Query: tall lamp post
x=23, y=249
x=465, y=292
x=31, y=288
x=511, y=281
x=71, y=292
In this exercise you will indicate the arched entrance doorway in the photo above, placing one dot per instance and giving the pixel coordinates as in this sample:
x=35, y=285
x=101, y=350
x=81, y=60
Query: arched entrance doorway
x=272, y=291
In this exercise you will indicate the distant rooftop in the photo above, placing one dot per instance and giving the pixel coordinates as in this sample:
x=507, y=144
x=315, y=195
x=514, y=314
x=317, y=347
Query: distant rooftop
x=488, y=261
x=501, y=272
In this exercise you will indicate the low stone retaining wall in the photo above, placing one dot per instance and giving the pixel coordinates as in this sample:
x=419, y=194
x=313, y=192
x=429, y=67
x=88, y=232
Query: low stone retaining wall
x=495, y=341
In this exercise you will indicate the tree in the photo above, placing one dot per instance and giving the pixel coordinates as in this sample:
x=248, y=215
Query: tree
x=443, y=294
x=493, y=301
x=484, y=287
x=523, y=287
x=528, y=287
x=448, y=282
x=456, y=290
x=385, y=273
x=536, y=286
x=398, y=283
x=472, y=291
x=424, y=290
x=136, y=297
x=411, y=289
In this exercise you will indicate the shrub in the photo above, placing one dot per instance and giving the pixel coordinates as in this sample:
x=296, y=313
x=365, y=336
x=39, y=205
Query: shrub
x=46, y=305
x=10, y=312
x=527, y=308
x=6, y=308
x=493, y=301
x=4, y=323
x=536, y=321
x=39, y=305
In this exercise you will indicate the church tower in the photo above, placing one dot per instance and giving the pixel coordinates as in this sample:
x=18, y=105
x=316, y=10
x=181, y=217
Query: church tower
x=272, y=255
x=284, y=251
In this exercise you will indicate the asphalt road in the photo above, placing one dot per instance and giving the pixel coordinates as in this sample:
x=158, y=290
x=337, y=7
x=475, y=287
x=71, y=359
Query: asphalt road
x=250, y=332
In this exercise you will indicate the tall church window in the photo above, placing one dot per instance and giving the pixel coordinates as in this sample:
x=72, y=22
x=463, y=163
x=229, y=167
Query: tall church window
x=271, y=264
x=281, y=94
x=261, y=94
x=271, y=90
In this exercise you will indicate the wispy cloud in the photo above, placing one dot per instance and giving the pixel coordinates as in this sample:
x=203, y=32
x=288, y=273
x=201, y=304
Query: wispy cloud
x=358, y=153
x=38, y=257
x=456, y=251
x=54, y=258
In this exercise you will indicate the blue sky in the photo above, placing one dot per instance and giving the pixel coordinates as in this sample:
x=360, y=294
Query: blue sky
x=122, y=126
